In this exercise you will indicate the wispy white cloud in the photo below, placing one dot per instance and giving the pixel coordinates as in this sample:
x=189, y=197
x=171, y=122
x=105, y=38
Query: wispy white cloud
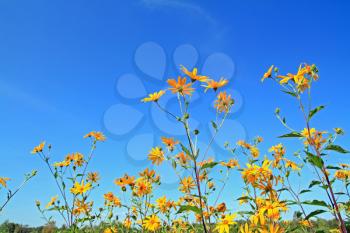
x=14, y=93
x=182, y=4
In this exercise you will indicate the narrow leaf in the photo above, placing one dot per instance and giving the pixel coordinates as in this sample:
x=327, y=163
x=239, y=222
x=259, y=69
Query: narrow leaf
x=315, y=110
x=336, y=148
x=291, y=135
x=185, y=208
x=209, y=165
x=305, y=191
x=186, y=150
x=313, y=183
x=290, y=93
x=316, y=203
x=314, y=160
x=314, y=213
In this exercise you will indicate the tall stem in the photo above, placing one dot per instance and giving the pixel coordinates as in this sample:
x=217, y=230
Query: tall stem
x=196, y=173
x=342, y=227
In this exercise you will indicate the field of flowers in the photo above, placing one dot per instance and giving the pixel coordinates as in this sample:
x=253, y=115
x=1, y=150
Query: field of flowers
x=267, y=194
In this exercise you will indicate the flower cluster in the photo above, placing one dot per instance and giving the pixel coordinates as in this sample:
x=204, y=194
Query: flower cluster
x=268, y=179
x=72, y=204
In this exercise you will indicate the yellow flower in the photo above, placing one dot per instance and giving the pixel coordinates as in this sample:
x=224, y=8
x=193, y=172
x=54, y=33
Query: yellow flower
x=78, y=159
x=111, y=230
x=170, y=143
x=255, y=174
x=223, y=102
x=183, y=158
x=211, y=84
x=80, y=188
x=152, y=223
x=127, y=223
x=38, y=148
x=243, y=144
x=278, y=153
x=285, y=79
x=81, y=207
x=223, y=226
x=153, y=97
x=124, y=181
x=187, y=184
x=278, y=150
x=98, y=136
x=344, y=165
x=211, y=185
x=306, y=223
x=162, y=204
x=245, y=229
x=342, y=174
x=116, y=202
x=150, y=175
x=112, y=200
x=179, y=225
x=306, y=133
x=272, y=208
x=231, y=163
x=221, y=207
x=272, y=228
x=180, y=86
x=142, y=187
x=292, y=165
x=156, y=155
x=51, y=202
x=313, y=137
x=93, y=177
x=193, y=74
x=257, y=218
x=64, y=163
x=300, y=79
x=268, y=74
x=3, y=181
x=254, y=152
x=108, y=196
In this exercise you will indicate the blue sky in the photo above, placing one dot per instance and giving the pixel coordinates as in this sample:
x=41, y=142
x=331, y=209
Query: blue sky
x=60, y=62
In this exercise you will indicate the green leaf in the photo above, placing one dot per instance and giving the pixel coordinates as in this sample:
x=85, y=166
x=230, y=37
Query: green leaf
x=314, y=213
x=315, y=110
x=209, y=165
x=305, y=191
x=186, y=150
x=173, y=164
x=290, y=93
x=185, y=208
x=316, y=203
x=298, y=214
x=197, y=153
x=245, y=212
x=291, y=135
x=313, y=183
x=315, y=160
x=281, y=190
x=336, y=148
x=333, y=167
x=291, y=203
x=214, y=125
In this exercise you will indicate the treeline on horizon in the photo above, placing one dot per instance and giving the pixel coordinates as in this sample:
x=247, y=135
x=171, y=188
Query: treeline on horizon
x=320, y=225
